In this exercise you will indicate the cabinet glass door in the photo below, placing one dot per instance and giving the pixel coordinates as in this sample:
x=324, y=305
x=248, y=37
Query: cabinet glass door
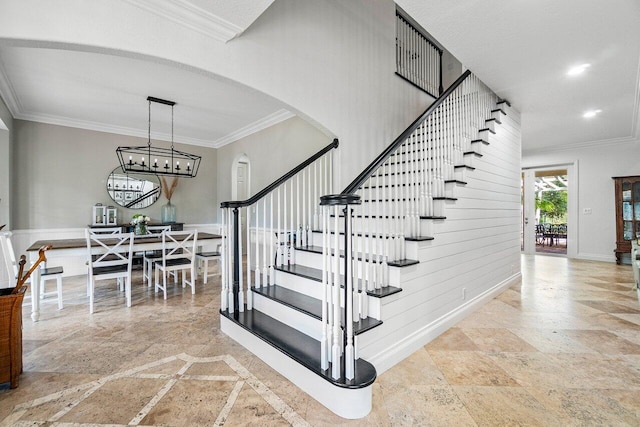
x=630, y=210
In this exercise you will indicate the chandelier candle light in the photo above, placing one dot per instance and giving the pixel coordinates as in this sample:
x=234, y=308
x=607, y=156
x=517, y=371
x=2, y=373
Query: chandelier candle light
x=158, y=160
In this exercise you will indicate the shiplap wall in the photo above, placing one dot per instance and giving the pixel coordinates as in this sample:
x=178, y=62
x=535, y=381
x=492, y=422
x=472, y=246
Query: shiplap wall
x=476, y=249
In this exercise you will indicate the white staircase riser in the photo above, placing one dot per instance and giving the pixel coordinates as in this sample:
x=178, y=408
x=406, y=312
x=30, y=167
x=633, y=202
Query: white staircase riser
x=311, y=259
x=302, y=322
x=361, y=238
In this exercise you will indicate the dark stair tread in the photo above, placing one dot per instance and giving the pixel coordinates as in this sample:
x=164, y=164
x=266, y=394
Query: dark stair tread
x=394, y=263
x=316, y=274
x=464, y=166
x=378, y=236
x=385, y=216
x=298, y=346
x=404, y=199
x=413, y=185
x=309, y=305
x=419, y=238
x=472, y=153
x=493, y=119
x=480, y=140
x=403, y=262
x=384, y=292
x=487, y=129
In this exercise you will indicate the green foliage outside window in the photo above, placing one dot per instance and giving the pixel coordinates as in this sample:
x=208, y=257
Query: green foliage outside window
x=552, y=206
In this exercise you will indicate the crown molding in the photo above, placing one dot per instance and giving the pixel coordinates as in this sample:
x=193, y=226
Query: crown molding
x=192, y=17
x=8, y=93
x=252, y=128
x=581, y=145
x=118, y=130
x=266, y=122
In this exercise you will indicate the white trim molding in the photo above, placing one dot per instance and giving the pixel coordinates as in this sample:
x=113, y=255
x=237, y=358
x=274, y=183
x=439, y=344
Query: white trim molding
x=264, y=123
x=192, y=17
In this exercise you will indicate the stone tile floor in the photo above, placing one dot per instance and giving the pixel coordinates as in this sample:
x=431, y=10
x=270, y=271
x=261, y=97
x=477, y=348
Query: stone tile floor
x=562, y=348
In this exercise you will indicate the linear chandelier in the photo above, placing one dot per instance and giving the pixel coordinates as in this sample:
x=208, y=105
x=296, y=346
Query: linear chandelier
x=158, y=160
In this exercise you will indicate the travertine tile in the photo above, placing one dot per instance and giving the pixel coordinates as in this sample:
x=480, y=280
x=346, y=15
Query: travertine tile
x=470, y=368
x=584, y=407
x=497, y=340
x=604, y=342
x=426, y=405
x=452, y=340
x=551, y=341
x=502, y=406
x=536, y=355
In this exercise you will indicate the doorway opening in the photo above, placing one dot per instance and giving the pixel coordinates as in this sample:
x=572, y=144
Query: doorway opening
x=546, y=214
x=551, y=197
x=240, y=173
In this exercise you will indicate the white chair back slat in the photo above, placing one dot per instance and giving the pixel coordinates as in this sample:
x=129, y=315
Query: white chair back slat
x=105, y=230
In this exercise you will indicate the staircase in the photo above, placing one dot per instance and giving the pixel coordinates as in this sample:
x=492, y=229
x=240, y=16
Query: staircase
x=322, y=289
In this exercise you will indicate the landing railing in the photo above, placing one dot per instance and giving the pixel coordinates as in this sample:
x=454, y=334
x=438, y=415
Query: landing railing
x=281, y=216
x=418, y=59
x=365, y=226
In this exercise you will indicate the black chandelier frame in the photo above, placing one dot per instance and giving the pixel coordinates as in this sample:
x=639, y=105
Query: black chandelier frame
x=144, y=159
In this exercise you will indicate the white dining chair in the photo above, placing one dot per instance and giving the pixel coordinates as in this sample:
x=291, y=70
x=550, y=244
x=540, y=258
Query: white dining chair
x=203, y=259
x=105, y=230
x=178, y=254
x=151, y=256
x=112, y=260
x=46, y=273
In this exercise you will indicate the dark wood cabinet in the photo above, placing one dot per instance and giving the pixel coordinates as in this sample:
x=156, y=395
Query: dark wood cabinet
x=627, y=213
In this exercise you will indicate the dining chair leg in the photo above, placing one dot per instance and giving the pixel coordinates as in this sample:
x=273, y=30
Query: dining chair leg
x=91, y=285
x=164, y=284
x=149, y=271
x=59, y=286
x=194, y=276
x=127, y=290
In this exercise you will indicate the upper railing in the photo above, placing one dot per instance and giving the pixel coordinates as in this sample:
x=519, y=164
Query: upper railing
x=418, y=59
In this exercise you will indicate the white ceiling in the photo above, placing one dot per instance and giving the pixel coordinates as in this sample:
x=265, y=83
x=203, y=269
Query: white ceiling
x=522, y=49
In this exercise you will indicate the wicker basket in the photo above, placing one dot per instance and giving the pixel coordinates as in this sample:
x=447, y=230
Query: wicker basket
x=11, y=337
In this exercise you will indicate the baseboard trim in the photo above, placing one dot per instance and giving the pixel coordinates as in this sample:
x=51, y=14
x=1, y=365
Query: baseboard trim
x=400, y=350
x=595, y=257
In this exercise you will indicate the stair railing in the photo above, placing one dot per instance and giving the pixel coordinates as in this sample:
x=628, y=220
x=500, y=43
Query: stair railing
x=383, y=206
x=282, y=215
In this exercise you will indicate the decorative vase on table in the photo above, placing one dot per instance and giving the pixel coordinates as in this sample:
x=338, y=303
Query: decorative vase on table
x=168, y=214
x=139, y=222
x=141, y=229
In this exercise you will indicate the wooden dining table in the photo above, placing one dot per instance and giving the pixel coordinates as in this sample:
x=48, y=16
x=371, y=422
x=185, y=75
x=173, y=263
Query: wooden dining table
x=78, y=247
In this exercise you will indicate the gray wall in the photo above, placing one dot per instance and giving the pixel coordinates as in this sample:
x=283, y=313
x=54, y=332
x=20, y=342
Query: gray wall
x=5, y=165
x=272, y=152
x=61, y=172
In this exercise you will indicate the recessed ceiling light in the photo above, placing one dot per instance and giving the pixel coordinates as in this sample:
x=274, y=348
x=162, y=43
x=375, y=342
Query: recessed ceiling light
x=579, y=69
x=591, y=113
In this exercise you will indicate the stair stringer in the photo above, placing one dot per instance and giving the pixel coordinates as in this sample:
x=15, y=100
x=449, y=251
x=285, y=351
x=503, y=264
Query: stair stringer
x=474, y=257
